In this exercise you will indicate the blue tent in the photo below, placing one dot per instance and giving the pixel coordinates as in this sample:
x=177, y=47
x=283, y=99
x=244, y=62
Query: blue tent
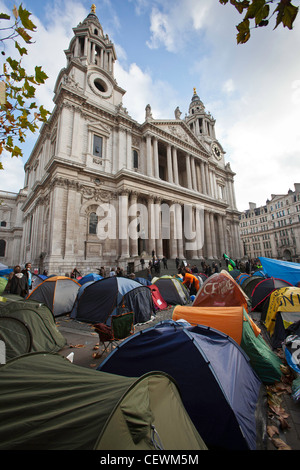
x=282, y=269
x=89, y=277
x=97, y=301
x=219, y=389
x=5, y=272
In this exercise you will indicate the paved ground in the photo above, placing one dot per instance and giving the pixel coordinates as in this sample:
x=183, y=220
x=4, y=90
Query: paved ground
x=83, y=342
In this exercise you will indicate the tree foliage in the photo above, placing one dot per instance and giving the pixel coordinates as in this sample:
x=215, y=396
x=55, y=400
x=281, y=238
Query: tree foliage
x=259, y=13
x=19, y=112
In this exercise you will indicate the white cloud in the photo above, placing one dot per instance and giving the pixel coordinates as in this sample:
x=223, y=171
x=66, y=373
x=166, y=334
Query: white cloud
x=12, y=177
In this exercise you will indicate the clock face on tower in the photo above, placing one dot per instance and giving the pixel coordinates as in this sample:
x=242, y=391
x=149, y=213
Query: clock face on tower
x=217, y=152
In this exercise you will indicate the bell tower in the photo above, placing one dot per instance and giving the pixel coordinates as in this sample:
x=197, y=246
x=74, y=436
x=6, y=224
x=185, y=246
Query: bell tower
x=199, y=121
x=90, y=64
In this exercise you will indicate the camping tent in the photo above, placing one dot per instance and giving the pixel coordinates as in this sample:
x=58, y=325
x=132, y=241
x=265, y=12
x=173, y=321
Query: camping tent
x=69, y=407
x=219, y=389
x=241, y=278
x=220, y=290
x=158, y=300
x=89, y=278
x=235, y=322
x=281, y=269
x=172, y=290
x=3, y=282
x=284, y=301
x=249, y=284
x=40, y=321
x=263, y=290
x=37, y=279
x=57, y=292
x=101, y=299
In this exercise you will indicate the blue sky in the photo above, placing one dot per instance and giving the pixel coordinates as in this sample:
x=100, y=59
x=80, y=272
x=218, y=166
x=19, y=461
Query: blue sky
x=167, y=47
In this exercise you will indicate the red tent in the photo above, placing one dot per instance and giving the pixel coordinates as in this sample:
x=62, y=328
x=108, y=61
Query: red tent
x=159, y=302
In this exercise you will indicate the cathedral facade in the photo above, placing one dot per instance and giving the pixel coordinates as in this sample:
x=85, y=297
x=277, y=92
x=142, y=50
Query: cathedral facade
x=103, y=189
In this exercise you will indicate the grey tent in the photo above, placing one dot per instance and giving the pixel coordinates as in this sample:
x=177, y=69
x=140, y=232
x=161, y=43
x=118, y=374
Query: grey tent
x=48, y=403
x=39, y=322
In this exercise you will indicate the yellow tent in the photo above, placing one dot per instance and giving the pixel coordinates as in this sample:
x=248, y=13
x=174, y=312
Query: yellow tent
x=286, y=299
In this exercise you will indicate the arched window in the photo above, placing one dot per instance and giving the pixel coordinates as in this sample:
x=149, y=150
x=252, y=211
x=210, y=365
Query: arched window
x=93, y=223
x=135, y=159
x=3, y=223
x=2, y=247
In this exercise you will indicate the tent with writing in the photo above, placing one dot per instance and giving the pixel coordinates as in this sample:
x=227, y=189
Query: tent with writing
x=281, y=269
x=283, y=311
x=69, y=407
x=220, y=290
x=57, y=292
x=236, y=323
x=219, y=390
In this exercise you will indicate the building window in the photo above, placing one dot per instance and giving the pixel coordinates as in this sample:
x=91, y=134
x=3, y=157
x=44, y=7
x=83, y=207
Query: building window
x=135, y=159
x=93, y=223
x=2, y=247
x=3, y=223
x=97, y=146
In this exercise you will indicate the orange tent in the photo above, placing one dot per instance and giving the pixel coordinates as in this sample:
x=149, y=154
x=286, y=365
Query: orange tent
x=228, y=320
x=220, y=290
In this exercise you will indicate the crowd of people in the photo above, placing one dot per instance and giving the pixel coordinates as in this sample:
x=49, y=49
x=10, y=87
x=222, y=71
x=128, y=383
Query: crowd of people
x=20, y=280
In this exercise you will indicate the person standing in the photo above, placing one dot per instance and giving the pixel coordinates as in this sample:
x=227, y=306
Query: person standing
x=19, y=283
x=27, y=272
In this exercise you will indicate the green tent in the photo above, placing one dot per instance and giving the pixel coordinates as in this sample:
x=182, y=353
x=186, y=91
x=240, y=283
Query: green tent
x=3, y=282
x=39, y=321
x=263, y=360
x=48, y=403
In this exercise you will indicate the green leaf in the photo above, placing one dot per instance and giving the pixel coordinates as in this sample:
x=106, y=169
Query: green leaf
x=24, y=17
x=13, y=63
x=40, y=76
x=243, y=32
x=286, y=14
x=3, y=16
x=24, y=35
x=22, y=50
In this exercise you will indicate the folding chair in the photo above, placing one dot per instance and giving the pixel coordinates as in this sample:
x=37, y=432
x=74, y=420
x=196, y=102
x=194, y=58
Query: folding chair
x=121, y=327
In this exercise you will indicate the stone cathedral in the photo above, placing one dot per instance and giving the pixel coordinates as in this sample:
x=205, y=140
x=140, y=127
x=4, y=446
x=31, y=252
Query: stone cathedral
x=94, y=166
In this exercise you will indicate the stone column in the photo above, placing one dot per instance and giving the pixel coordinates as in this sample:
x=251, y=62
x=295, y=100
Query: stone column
x=149, y=155
x=179, y=231
x=155, y=156
x=133, y=234
x=213, y=235
x=221, y=234
x=173, y=231
x=207, y=231
x=175, y=166
x=158, y=231
x=169, y=164
x=123, y=224
x=203, y=182
x=188, y=171
x=151, y=225
x=194, y=175
x=208, y=189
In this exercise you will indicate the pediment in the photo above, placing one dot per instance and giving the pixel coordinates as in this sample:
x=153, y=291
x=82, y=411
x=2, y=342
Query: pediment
x=180, y=131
